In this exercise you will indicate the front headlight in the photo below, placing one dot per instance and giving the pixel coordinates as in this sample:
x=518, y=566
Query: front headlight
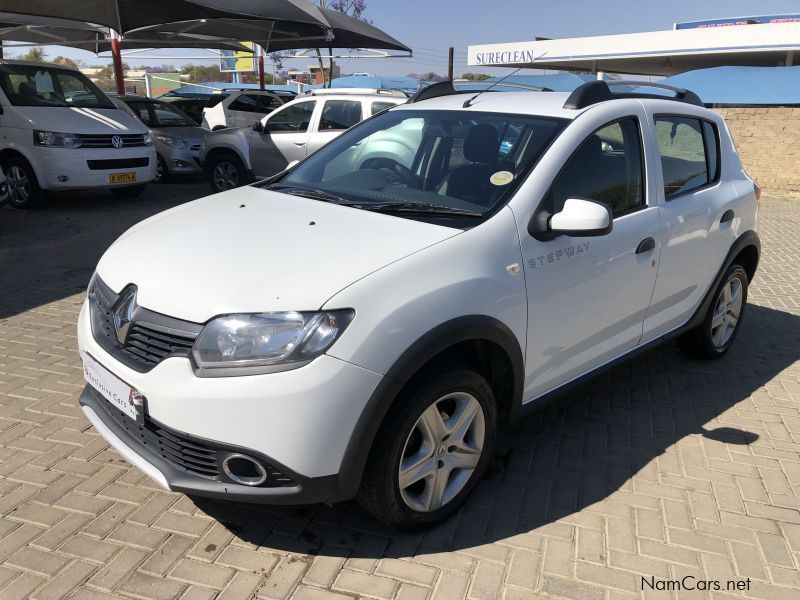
x=147, y=139
x=266, y=340
x=173, y=142
x=55, y=139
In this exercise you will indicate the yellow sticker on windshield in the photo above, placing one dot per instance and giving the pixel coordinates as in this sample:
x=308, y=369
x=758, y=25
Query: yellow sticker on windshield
x=501, y=178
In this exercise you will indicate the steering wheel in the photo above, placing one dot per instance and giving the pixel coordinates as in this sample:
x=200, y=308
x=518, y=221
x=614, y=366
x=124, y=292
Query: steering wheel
x=406, y=175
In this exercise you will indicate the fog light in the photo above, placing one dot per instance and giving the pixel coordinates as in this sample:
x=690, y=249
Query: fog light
x=62, y=178
x=243, y=469
x=180, y=163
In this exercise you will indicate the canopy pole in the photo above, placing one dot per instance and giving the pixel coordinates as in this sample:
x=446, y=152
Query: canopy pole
x=116, y=56
x=262, y=50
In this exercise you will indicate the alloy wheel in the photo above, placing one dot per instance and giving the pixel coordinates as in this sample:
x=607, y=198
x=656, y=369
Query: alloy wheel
x=441, y=452
x=727, y=311
x=20, y=184
x=226, y=176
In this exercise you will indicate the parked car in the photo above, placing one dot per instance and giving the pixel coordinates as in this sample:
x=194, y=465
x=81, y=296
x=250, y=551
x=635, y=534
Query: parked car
x=238, y=108
x=60, y=132
x=5, y=190
x=234, y=157
x=177, y=139
x=363, y=325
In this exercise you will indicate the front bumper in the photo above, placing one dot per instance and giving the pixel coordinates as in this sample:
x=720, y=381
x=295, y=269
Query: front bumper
x=180, y=161
x=301, y=422
x=67, y=168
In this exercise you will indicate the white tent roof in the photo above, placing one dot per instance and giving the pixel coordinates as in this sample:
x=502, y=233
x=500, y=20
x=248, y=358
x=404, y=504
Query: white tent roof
x=651, y=53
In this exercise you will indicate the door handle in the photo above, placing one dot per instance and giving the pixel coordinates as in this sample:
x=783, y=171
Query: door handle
x=727, y=216
x=646, y=245
x=299, y=143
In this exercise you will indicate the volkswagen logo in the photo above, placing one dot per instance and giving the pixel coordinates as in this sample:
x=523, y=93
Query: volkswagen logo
x=117, y=141
x=123, y=314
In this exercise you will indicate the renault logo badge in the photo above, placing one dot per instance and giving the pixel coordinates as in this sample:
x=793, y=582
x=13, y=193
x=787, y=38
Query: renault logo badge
x=117, y=141
x=123, y=314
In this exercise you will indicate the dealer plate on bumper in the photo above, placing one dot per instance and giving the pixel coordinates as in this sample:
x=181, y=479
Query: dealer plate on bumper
x=113, y=389
x=122, y=177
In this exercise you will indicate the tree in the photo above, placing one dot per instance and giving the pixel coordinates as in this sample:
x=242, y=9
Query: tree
x=35, y=54
x=353, y=8
x=68, y=62
x=475, y=76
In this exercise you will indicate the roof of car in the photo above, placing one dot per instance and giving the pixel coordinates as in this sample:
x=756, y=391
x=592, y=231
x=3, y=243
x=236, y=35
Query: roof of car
x=547, y=104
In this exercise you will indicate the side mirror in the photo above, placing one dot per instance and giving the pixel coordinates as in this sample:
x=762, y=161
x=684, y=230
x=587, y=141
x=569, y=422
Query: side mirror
x=258, y=127
x=582, y=218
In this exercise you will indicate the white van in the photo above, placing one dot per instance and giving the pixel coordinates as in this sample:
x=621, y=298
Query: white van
x=58, y=131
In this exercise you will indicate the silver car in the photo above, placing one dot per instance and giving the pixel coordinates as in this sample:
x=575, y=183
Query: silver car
x=234, y=157
x=176, y=137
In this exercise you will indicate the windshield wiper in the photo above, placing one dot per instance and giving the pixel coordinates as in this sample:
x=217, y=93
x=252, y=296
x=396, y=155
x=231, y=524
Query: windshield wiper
x=313, y=194
x=421, y=208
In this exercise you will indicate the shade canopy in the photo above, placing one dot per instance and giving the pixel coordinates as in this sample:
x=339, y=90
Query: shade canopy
x=127, y=15
x=343, y=31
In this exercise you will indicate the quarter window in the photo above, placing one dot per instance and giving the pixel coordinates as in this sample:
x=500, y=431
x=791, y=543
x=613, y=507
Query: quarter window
x=606, y=167
x=338, y=115
x=689, y=151
x=294, y=118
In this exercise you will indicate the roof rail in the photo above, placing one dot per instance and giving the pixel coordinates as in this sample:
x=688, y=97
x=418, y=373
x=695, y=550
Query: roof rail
x=356, y=91
x=593, y=92
x=446, y=88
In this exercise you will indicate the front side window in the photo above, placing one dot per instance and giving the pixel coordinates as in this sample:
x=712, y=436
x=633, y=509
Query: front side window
x=32, y=85
x=689, y=153
x=294, y=118
x=438, y=159
x=338, y=115
x=606, y=167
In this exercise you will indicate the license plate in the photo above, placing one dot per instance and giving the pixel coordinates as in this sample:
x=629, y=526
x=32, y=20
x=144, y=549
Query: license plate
x=113, y=389
x=122, y=178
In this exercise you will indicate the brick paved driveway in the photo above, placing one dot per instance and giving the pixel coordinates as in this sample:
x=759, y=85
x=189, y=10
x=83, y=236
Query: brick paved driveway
x=662, y=468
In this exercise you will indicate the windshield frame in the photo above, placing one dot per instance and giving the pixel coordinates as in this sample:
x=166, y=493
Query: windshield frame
x=561, y=123
x=7, y=69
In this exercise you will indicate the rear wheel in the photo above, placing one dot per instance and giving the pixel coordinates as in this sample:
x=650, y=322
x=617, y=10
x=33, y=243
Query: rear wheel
x=431, y=450
x=25, y=190
x=225, y=172
x=715, y=335
x=131, y=191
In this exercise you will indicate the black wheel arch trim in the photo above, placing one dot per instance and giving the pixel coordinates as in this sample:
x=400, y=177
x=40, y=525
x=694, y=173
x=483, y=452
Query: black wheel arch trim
x=414, y=358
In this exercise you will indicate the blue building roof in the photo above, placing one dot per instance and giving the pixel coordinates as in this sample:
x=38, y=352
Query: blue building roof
x=742, y=85
x=558, y=82
x=376, y=82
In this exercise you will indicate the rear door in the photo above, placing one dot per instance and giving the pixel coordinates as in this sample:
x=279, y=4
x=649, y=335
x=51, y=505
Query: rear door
x=284, y=138
x=697, y=208
x=336, y=117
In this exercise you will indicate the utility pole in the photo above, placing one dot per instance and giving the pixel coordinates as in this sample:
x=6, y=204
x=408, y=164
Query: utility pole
x=450, y=63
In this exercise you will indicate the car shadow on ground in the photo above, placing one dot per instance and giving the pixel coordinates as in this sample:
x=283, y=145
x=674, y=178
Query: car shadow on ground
x=49, y=253
x=582, y=449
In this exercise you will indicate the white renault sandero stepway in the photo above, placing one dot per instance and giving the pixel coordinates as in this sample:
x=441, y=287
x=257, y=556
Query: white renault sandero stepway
x=363, y=324
x=58, y=131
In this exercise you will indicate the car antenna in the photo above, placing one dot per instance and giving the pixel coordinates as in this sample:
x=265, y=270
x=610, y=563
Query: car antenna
x=468, y=102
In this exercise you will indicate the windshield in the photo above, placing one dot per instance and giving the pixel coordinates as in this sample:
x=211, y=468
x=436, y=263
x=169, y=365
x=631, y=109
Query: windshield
x=467, y=162
x=159, y=114
x=36, y=85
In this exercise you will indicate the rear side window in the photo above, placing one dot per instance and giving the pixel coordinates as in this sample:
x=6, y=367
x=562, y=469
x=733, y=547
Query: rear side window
x=689, y=151
x=606, y=167
x=338, y=115
x=245, y=103
x=267, y=104
x=380, y=107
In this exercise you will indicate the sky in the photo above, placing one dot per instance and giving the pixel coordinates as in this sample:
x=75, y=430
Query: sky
x=429, y=27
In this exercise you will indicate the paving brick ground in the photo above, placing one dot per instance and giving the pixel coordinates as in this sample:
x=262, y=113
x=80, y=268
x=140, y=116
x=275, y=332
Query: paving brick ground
x=662, y=468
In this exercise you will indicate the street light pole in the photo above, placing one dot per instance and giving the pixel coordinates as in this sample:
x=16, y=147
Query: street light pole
x=116, y=57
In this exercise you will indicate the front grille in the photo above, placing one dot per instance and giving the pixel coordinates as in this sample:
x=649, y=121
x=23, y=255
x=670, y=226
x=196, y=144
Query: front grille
x=199, y=457
x=151, y=337
x=118, y=163
x=103, y=140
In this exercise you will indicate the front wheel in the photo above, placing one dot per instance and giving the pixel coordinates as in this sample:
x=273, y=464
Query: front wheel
x=715, y=335
x=24, y=186
x=225, y=172
x=431, y=450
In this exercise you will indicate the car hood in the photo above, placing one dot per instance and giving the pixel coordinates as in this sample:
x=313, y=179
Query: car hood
x=189, y=134
x=253, y=250
x=75, y=119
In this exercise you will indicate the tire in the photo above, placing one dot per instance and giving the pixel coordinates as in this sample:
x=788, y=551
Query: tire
x=162, y=173
x=25, y=190
x=406, y=432
x=131, y=191
x=716, y=334
x=225, y=172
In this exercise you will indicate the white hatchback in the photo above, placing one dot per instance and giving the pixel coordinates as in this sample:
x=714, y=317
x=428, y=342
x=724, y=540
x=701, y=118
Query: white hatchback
x=365, y=323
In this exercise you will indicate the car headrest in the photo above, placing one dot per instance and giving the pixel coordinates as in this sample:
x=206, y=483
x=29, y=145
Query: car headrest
x=481, y=144
x=27, y=90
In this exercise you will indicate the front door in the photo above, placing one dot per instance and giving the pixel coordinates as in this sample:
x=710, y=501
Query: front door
x=336, y=116
x=588, y=296
x=283, y=139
